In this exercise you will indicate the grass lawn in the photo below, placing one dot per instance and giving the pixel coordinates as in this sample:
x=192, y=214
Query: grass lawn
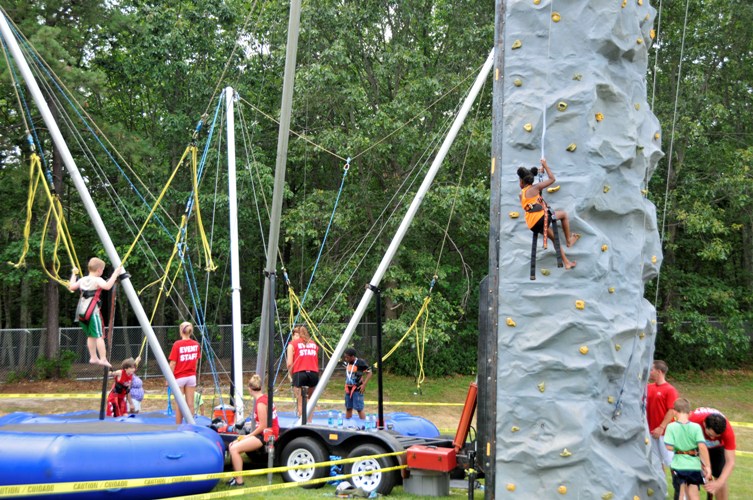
x=731, y=392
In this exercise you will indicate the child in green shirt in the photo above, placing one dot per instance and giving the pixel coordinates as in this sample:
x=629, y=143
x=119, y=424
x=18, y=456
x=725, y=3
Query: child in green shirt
x=690, y=463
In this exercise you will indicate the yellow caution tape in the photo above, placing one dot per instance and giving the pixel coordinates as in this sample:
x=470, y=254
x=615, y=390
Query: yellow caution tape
x=79, y=486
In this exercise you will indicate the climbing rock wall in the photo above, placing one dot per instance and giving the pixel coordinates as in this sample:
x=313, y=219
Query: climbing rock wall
x=575, y=346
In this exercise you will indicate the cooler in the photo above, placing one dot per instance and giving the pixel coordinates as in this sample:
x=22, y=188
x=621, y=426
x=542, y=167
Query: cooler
x=225, y=412
x=431, y=458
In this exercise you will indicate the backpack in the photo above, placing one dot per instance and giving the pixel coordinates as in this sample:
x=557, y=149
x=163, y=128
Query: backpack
x=87, y=304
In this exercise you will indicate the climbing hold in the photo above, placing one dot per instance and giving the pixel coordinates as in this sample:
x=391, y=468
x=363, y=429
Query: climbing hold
x=527, y=127
x=639, y=41
x=553, y=189
x=562, y=489
x=657, y=136
x=650, y=492
x=565, y=453
x=645, y=440
x=556, y=17
x=517, y=44
x=644, y=192
x=599, y=117
x=610, y=400
x=583, y=349
x=653, y=259
x=562, y=106
x=517, y=82
x=640, y=2
x=648, y=16
x=572, y=147
x=515, y=428
x=636, y=497
x=606, y=189
x=617, y=347
x=642, y=335
x=514, y=215
x=607, y=496
x=546, y=272
x=653, y=34
x=611, y=289
x=510, y=322
x=536, y=2
x=542, y=387
x=580, y=304
x=577, y=76
x=511, y=486
x=639, y=148
x=637, y=106
x=624, y=3
x=604, y=248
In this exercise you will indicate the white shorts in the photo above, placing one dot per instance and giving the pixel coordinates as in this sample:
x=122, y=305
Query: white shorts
x=660, y=451
x=136, y=405
x=186, y=381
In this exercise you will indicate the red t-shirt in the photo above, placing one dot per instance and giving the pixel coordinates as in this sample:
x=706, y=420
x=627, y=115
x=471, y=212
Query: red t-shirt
x=305, y=356
x=660, y=398
x=263, y=399
x=186, y=354
x=725, y=439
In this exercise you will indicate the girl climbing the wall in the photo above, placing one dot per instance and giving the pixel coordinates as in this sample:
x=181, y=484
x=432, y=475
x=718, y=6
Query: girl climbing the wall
x=538, y=212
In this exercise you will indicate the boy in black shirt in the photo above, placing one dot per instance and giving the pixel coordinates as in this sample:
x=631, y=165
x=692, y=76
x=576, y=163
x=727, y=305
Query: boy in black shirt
x=357, y=375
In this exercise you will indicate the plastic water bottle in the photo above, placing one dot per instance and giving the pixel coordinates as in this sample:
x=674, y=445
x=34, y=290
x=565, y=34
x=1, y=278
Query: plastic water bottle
x=331, y=419
x=369, y=422
x=374, y=422
x=340, y=419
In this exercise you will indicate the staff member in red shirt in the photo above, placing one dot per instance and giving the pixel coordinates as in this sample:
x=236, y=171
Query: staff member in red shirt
x=660, y=399
x=720, y=439
x=303, y=364
x=184, y=357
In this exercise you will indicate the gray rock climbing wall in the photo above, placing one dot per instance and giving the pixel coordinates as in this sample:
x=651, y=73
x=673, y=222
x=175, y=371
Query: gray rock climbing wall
x=575, y=346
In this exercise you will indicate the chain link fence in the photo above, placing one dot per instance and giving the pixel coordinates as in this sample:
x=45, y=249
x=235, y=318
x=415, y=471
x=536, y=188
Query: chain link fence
x=22, y=349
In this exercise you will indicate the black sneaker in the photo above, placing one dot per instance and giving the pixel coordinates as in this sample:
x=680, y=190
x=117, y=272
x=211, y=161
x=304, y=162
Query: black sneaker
x=234, y=482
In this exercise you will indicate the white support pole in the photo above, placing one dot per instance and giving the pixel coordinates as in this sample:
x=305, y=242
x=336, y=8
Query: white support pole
x=235, y=280
x=401, y=231
x=282, y=157
x=91, y=209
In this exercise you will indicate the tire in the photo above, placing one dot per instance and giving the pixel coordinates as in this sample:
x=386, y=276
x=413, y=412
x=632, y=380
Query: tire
x=381, y=482
x=301, y=451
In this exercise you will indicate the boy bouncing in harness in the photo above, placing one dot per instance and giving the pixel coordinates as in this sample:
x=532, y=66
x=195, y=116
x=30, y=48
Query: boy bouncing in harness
x=87, y=312
x=539, y=217
x=121, y=389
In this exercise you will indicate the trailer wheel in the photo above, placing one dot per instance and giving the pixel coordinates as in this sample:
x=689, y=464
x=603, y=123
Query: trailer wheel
x=304, y=451
x=381, y=482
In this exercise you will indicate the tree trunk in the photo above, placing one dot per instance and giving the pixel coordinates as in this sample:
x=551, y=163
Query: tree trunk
x=748, y=256
x=52, y=346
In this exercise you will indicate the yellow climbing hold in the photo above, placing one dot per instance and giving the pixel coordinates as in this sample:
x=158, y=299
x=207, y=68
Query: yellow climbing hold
x=553, y=189
x=583, y=349
x=580, y=304
x=572, y=147
x=657, y=136
x=606, y=189
x=607, y=496
x=624, y=3
x=637, y=106
x=562, y=106
x=577, y=76
x=527, y=127
x=536, y=2
x=642, y=335
x=514, y=215
x=546, y=272
x=650, y=492
x=517, y=82
x=515, y=428
x=639, y=41
x=636, y=497
x=565, y=453
x=611, y=289
x=517, y=44
x=653, y=259
x=542, y=387
x=562, y=489
x=653, y=34
x=556, y=17
x=599, y=117
x=640, y=2
x=510, y=322
x=617, y=347
x=511, y=486
x=610, y=400
x=644, y=192
x=604, y=248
